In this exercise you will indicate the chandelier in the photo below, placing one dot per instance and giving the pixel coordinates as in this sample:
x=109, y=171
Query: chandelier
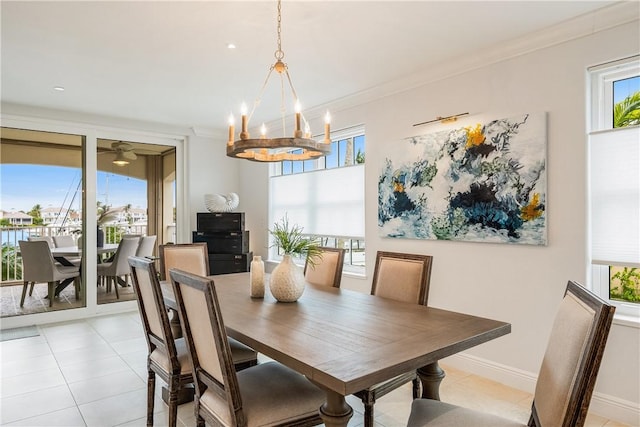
x=299, y=146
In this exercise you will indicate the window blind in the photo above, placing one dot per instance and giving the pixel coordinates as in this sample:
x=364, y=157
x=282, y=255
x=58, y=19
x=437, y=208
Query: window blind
x=325, y=202
x=615, y=196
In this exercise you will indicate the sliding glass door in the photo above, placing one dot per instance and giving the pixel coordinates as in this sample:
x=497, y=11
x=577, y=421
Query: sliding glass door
x=84, y=194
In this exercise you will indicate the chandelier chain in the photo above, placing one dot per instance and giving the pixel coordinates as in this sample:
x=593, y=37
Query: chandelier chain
x=279, y=53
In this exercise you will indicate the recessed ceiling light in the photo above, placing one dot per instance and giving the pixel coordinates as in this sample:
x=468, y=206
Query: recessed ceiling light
x=59, y=88
x=231, y=46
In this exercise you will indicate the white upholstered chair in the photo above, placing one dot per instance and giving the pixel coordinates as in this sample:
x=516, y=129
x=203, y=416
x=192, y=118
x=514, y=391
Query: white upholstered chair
x=268, y=394
x=47, y=239
x=63, y=241
x=119, y=266
x=327, y=270
x=566, y=379
x=146, y=246
x=38, y=266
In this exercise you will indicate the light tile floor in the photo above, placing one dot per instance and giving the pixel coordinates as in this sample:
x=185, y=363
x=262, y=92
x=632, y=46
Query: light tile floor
x=93, y=373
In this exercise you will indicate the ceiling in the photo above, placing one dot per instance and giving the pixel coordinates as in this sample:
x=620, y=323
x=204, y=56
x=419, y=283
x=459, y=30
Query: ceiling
x=168, y=62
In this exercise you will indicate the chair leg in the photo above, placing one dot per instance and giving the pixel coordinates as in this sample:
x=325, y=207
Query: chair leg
x=31, y=290
x=76, y=285
x=52, y=289
x=199, y=421
x=24, y=292
x=115, y=285
x=416, y=388
x=151, y=389
x=174, y=387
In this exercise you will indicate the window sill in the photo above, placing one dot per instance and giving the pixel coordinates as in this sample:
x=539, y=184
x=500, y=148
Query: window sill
x=629, y=321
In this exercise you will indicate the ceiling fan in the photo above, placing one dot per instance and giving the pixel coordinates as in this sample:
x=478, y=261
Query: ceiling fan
x=124, y=153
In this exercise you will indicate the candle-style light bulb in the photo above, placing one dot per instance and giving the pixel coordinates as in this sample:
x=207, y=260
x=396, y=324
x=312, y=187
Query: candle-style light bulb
x=327, y=128
x=307, y=130
x=243, y=110
x=231, y=128
x=263, y=131
x=297, y=132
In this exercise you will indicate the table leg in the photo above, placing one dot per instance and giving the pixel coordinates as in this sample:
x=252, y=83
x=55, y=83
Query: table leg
x=431, y=376
x=63, y=284
x=335, y=412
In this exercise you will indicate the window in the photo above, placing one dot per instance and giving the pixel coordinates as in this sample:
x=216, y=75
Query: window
x=614, y=178
x=325, y=196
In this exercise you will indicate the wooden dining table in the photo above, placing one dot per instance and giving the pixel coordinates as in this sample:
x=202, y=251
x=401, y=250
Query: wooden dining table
x=345, y=341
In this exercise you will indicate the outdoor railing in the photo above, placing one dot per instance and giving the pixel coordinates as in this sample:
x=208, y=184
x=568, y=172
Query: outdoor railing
x=354, y=259
x=11, y=263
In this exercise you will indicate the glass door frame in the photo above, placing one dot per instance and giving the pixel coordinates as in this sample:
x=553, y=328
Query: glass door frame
x=91, y=134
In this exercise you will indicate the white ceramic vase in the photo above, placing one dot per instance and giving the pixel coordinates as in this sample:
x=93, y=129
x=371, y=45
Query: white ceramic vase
x=256, y=274
x=287, y=281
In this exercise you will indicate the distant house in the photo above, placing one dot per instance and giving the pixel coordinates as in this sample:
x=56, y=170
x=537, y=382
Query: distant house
x=59, y=216
x=17, y=218
x=52, y=215
x=132, y=215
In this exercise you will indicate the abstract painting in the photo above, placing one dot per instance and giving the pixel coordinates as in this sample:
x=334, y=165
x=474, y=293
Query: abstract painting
x=479, y=183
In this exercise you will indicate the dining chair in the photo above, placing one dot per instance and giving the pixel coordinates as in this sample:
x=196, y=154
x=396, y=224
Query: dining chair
x=566, y=378
x=38, y=266
x=111, y=271
x=146, y=246
x=327, y=270
x=63, y=241
x=401, y=277
x=268, y=394
x=47, y=239
x=191, y=257
x=109, y=258
x=167, y=356
x=194, y=258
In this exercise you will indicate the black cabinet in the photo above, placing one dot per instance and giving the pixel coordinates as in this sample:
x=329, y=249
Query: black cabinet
x=229, y=263
x=230, y=242
x=216, y=222
x=227, y=241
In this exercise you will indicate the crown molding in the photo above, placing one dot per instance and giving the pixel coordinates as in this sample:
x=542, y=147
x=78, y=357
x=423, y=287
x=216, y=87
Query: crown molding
x=617, y=14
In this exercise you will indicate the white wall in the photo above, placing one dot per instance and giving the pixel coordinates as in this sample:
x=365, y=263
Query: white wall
x=516, y=283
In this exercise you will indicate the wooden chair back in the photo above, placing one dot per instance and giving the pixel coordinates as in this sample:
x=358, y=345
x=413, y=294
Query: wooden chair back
x=327, y=271
x=572, y=359
x=191, y=257
x=402, y=277
x=153, y=311
x=566, y=378
x=205, y=335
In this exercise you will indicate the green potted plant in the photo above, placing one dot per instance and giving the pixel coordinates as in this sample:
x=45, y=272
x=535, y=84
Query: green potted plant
x=287, y=280
x=105, y=214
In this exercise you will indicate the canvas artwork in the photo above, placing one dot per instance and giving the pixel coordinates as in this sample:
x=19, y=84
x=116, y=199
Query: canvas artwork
x=479, y=183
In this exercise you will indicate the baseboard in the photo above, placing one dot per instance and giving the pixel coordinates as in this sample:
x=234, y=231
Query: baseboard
x=615, y=409
x=604, y=405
